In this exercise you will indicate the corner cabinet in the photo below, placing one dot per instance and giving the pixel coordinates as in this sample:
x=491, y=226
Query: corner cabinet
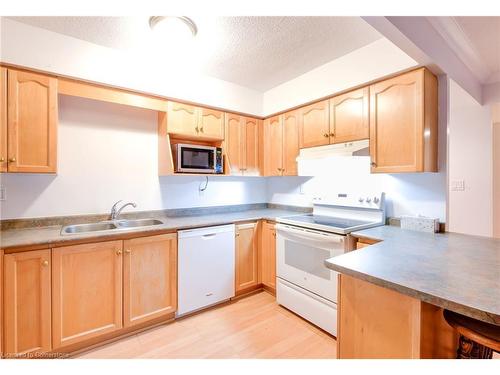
x=192, y=122
x=28, y=130
x=149, y=278
x=246, y=273
x=242, y=145
x=27, y=309
x=404, y=123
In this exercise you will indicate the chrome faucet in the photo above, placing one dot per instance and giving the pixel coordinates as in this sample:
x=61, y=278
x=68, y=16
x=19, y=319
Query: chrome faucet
x=115, y=213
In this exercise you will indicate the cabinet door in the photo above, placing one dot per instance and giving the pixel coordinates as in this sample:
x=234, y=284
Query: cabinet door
x=149, y=278
x=397, y=124
x=3, y=119
x=86, y=291
x=251, y=129
x=234, y=144
x=273, y=143
x=182, y=119
x=246, y=256
x=268, y=259
x=32, y=122
x=314, y=126
x=211, y=124
x=290, y=142
x=27, y=302
x=349, y=116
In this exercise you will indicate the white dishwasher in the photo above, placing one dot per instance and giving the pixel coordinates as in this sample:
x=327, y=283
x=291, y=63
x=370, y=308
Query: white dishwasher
x=206, y=259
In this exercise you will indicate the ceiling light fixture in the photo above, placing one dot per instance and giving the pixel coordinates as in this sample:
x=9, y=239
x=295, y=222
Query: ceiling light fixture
x=173, y=25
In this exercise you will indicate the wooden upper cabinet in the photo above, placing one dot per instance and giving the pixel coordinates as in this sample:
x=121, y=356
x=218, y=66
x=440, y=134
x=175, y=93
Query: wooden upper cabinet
x=211, y=123
x=182, y=119
x=349, y=116
x=149, y=278
x=242, y=145
x=314, y=126
x=403, y=123
x=251, y=128
x=3, y=119
x=267, y=259
x=246, y=275
x=27, y=302
x=273, y=144
x=189, y=121
x=86, y=291
x=290, y=143
x=32, y=122
x=234, y=146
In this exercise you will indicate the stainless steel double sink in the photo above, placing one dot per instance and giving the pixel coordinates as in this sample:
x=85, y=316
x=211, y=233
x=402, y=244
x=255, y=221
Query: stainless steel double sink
x=114, y=225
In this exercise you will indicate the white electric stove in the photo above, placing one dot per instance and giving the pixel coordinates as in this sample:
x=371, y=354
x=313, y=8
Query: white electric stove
x=303, y=242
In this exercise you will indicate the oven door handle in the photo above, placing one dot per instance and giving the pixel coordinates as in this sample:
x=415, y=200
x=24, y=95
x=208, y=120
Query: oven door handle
x=309, y=235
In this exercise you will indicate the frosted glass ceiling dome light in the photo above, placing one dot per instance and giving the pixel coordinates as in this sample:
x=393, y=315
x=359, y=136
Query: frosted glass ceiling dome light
x=173, y=26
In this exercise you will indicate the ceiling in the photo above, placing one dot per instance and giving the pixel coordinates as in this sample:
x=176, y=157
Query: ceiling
x=256, y=52
x=476, y=41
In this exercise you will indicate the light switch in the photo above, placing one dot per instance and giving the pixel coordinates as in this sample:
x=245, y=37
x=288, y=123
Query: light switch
x=457, y=185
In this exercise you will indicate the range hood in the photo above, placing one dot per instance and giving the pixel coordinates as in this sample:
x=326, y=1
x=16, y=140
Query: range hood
x=355, y=148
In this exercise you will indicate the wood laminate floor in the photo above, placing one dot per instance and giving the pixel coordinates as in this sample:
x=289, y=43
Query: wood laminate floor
x=252, y=327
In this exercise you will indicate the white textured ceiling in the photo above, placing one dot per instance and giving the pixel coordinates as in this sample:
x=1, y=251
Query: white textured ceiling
x=476, y=41
x=256, y=52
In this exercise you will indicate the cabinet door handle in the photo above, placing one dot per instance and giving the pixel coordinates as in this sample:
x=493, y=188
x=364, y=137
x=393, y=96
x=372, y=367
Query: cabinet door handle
x=2, y=159
x=373, y=164
x=127, y=251
x=118, y=252
x=45, y=263
x=201, y=129
x=326, y=135
x=332, y=134
x=12, y=159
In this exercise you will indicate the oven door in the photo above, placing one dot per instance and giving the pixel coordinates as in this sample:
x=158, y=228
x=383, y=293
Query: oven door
x=300, y=258
x=195, y=158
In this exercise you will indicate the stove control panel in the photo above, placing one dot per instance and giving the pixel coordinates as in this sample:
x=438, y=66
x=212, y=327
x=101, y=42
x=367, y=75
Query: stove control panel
x=373, y=200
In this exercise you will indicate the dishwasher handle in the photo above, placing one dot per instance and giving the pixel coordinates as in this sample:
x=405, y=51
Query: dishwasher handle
x=207, y=232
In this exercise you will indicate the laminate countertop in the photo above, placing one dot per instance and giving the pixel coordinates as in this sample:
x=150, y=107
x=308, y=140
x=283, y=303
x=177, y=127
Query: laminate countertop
x=453, y=271
x=51, y=235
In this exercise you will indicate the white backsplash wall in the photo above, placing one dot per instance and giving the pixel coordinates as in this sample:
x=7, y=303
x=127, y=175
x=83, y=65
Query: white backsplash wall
x=108, y=152
x=407, y=194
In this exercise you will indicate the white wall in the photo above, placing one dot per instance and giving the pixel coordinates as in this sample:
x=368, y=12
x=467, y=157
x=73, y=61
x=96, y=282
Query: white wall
x=365, y=64
x=45, y=50
x=108, y=152
x=470, y=159
x=407, y=194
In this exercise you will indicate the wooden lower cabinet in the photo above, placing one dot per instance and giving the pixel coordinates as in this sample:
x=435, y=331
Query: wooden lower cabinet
x=149, y=278
x=86, y=291
x=246, y=276
x=267, y=259
x=377, y=323
x=27, y=309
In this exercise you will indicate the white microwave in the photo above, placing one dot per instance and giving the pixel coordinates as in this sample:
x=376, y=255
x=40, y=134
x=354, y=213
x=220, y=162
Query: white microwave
x=191, y=158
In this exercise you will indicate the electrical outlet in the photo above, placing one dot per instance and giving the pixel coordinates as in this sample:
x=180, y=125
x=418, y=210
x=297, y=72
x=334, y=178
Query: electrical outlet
x=3, y=193
x=457, y=185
